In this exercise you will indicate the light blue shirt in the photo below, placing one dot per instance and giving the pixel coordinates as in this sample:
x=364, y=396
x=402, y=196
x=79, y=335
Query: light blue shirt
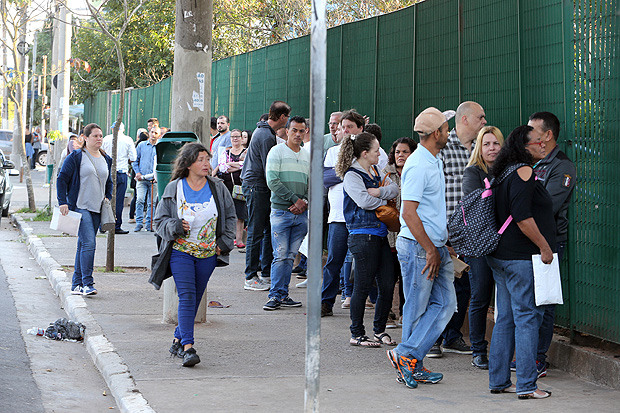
x=222, y=142
x=423, y=181
x=145, y=158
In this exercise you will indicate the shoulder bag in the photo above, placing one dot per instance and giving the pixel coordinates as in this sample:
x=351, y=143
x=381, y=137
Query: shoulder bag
x=388, y=214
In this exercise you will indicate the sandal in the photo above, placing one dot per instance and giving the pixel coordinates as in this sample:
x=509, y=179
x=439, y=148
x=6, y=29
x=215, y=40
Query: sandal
x=363, y=341
x=384, y=338
x=535, y=395
x=510, y=389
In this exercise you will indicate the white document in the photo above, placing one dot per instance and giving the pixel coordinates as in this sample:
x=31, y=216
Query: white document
x=69, y=224
x=547, y=282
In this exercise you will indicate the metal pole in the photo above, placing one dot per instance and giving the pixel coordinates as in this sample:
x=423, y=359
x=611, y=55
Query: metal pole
x=318, y=68
x=34, y=70
x=43, y=97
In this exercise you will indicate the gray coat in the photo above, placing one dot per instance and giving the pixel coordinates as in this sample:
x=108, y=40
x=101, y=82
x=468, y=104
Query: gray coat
x=169, y=227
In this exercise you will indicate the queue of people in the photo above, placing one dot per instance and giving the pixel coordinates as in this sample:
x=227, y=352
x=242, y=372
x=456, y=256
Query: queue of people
x=248, y=182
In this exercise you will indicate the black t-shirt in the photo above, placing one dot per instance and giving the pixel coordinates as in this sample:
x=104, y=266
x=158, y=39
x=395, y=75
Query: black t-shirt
x=522, y=200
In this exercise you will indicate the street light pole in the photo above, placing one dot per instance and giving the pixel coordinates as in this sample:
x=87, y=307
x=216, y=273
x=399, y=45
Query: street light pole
x=318, y=59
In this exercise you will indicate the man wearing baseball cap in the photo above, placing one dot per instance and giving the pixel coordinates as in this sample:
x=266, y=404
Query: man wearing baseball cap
x=426, y=266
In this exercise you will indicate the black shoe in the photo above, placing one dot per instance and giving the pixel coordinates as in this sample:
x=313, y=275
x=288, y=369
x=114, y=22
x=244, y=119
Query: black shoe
x=326, y=310
x=457, y=346
x=121, y=231
x=298, y=269
x=481, y=362
x=175, y=348
x=288, y=302
x=435, y=351
x=190, y=358
x=272, y=304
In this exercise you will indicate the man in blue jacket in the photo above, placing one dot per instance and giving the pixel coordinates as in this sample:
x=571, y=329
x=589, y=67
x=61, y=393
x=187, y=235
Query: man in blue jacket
x=257, y=197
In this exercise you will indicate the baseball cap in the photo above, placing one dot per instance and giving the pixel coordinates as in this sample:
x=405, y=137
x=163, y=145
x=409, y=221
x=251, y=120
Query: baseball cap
x=431, y=119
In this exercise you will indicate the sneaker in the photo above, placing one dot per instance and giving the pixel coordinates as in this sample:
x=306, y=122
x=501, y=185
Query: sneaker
x=289, y=302
x=303, y=284
x=457, y=346
x=405, y=367
x=480, y=361
x=138, y=228
x=175, y=348
x=326, y=310
x=541, y=368
x=435, y=351
x=302, y=275
x=190, y=358
x=346, y=303
x=298, y=270
x=77, y=290
x=513, y=365
x=272, y=304
x=391, y=322
x=89, y=290
x=423, y=375
x=132, y=220
x=256, y=284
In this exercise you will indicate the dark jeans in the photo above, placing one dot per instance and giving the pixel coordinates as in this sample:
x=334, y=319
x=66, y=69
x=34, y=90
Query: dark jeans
x=121, y=187
x=337, y=237
x=481, y=283
x=545, y=333
x=33, y=159
x=373, y=260
x=453, y=329
x=259, y=231
x=191, y=276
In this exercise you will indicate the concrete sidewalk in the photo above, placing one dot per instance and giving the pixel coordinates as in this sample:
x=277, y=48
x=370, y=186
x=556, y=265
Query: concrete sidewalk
x=253, y=359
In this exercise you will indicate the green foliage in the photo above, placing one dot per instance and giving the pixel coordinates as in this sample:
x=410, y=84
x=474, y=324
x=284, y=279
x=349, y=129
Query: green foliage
x=147, y=47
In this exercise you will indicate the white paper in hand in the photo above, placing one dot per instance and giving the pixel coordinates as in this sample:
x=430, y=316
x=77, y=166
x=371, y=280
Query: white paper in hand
x=547, y=282
x=69, y=224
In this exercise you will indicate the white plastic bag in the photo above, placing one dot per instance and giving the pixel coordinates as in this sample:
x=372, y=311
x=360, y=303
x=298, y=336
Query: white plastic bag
x=69, y=224
x=547, y=282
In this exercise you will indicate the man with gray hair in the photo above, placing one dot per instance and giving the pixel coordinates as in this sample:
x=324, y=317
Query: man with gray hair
x=125, y=153
x=331, y=139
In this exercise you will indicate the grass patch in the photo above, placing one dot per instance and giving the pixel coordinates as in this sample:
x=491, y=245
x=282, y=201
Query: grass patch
x=54, y=236
x=24, y=210
x=116, y=269
x=43, y=215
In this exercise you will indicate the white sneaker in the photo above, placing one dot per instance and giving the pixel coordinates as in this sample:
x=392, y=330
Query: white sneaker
x=303, y=284
x=257, y=284
x=76, y=290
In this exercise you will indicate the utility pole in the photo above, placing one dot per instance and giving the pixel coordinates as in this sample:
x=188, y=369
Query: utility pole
x=5, y=90
x=32, y=89
x=191, y=100
x=43, y=96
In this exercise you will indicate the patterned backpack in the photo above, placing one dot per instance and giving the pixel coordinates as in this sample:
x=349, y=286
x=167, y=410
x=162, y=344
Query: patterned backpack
x=473, y=229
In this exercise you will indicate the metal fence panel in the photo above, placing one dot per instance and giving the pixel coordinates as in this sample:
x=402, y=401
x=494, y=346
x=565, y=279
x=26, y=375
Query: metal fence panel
x=298, y=76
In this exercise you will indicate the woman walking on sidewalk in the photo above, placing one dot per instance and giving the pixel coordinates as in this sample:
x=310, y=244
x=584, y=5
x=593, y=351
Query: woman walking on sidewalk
x=196, y=222
x=84, y=180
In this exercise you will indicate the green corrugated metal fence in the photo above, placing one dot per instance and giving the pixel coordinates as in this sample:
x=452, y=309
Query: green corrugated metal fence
x=514, y=57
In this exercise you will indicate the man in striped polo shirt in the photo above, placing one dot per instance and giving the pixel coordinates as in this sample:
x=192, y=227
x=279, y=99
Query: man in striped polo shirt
x=287, y=172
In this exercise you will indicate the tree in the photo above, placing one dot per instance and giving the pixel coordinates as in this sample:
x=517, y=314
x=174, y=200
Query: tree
x=15, y=16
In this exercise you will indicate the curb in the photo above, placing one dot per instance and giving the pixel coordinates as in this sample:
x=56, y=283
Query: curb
x=112, y=367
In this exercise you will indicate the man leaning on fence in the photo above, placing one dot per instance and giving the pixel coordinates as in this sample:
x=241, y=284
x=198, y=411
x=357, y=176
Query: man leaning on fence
x=427, y=269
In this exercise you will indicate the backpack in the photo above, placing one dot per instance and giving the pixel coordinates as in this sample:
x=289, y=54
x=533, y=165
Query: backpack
x=473, y=229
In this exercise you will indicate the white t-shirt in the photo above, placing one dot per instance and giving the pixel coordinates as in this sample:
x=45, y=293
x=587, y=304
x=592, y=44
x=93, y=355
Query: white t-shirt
x=125, y=151
x=335, y=194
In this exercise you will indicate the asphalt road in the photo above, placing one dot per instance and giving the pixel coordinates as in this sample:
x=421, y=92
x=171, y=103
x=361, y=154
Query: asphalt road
x=18, y=389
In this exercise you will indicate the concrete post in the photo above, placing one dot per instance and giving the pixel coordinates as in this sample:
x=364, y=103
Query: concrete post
x=33, y=74
x=191, y=100
x=5, y=93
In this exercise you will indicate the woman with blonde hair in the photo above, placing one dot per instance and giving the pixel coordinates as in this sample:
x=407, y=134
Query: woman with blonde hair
x=488, y=143
x=366, y=189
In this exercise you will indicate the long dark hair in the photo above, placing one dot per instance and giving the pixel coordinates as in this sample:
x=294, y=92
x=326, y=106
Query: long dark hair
x=186, y=157
x=407, y=141
x=514, y=150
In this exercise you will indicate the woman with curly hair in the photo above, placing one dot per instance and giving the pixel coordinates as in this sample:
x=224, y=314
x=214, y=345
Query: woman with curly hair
x=363, y=194
x=196, y=222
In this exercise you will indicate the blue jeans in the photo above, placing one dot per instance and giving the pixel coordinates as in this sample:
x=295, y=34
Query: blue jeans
x=337, y=237
x=545, y=333
x=287, y=232
x=516, y=328
x=345, y=275
x=144, y=196
x=373, y=261
x=429, y=304
x=191, y=276
x=121, y=187
x=481, y=282
x=86, y=244
x=259, y=232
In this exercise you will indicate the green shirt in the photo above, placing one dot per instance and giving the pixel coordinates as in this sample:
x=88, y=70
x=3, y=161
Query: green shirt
x=287, y=174
x=328, y=142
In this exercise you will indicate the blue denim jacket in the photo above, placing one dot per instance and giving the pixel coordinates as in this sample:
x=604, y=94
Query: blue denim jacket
x=355, y=216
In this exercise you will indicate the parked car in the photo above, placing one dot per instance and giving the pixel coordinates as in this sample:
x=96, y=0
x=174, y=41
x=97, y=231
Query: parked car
x=6, y=145
x=6, y=187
